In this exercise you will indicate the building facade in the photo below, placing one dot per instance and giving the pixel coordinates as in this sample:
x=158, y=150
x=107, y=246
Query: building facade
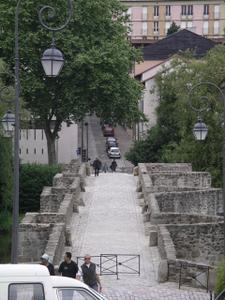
x=33, y=145
x=150, y=20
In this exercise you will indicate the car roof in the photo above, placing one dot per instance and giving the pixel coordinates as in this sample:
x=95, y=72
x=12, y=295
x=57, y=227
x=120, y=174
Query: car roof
x=61, y=281
x=114, y=148
x=23, y=270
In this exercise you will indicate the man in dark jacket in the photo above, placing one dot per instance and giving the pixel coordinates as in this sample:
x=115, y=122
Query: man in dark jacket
x=88, y=272
x=97, y=166
x=45, y=262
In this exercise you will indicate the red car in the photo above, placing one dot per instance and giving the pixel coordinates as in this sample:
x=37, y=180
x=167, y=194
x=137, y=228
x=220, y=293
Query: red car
x=108, y=130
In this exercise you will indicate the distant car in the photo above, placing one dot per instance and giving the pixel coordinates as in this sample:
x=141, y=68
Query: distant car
x=108, y=130
x=111, y=139
x=110, y=144
x=114, y=152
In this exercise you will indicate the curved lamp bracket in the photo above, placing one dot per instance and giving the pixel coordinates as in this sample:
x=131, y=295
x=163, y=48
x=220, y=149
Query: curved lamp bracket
x=52, y=10
x=204, y=99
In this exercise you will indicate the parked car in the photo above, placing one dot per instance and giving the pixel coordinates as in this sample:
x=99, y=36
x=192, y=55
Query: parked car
x=108, y=130
x=112, y=139
x=29, y=281
x=114, y=152
x=110, y=144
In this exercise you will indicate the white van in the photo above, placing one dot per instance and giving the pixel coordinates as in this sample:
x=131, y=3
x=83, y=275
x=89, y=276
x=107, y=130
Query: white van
x=33, y=282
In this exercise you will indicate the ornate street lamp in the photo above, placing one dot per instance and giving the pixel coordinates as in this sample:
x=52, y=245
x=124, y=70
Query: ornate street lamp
x=8, y=122
x=200, y=129
x=52, y=63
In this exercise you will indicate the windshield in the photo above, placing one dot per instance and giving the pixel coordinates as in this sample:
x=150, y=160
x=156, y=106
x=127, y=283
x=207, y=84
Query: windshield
x=114, y=150
x=78, y=294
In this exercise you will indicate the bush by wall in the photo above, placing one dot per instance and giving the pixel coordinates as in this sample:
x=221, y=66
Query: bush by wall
x=33, y=178
x=6, y=172
x=220, y=278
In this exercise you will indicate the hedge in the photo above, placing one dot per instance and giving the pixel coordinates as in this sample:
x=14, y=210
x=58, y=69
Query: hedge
x=33, y=178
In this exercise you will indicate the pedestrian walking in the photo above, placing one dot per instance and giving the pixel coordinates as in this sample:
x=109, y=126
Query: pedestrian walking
x=45, y=261
x=105, y=167
x=88, y=272
x=113, y=166
x=68, y=267
x=97, y=166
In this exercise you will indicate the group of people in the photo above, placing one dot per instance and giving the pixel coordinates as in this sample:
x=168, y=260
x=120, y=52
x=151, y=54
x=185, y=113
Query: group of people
x=97, y=165
x=69, y=268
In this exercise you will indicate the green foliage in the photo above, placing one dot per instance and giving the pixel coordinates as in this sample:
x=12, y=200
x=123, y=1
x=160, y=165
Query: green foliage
x=173, y=28
x=171, y=140
x=220, y=278
x=95, y=78
x=5, y=182
x=33, y=178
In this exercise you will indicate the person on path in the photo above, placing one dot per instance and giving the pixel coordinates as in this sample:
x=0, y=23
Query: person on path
x=45, y=262
x=105, y=167
x=88, y=272
x=97, y=166
x=68, y=267
x=113, y=166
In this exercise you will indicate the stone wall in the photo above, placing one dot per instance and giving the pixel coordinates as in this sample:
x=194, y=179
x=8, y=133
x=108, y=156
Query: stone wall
x=203, y=202
x=182, y=216
x=48, y=230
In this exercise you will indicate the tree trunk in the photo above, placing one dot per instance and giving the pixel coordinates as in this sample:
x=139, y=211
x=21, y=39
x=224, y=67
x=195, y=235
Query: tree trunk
x=51, y=149
x=51, y=137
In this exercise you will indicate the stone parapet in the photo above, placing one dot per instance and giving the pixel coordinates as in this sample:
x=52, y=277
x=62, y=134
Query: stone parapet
x=49, y=231
x=182, y=214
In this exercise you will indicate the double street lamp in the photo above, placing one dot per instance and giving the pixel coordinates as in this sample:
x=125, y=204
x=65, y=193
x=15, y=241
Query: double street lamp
x=52, y=62
x=200, y=129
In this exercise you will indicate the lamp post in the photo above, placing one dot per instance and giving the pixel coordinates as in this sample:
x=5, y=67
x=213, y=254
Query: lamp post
x=200, y=130
x=87, y=146
x=52, y=62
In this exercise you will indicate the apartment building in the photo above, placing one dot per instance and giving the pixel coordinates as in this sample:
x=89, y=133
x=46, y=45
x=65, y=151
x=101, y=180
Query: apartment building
x=150, y=20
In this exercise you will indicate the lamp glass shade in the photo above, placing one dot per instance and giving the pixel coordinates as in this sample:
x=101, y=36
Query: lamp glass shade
x=200, y=131
x=52, y=62
x=8, y=122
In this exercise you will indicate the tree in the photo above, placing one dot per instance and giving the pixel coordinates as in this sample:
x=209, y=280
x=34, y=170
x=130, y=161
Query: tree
x=172, y=140
x=173, y=28
x=96, y=76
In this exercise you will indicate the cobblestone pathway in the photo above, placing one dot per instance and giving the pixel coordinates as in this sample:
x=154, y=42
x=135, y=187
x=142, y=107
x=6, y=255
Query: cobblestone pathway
x=111, y=222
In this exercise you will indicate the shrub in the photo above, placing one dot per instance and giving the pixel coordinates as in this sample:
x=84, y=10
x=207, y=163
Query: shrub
x=220, y=278
x=5, y=182
x=33, y=178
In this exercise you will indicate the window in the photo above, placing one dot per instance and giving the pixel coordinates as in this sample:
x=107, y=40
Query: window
x=216, y=11
x=205, y=27
x=35, y=151
x=35, y=134
x=29, y=291
x=78, y=294
x=168, y=10
x=144, y=13
x=129, y=12
x=156, y=11
x=27, y=151
x=20, y=151
x=156, y=26
x=27, y=136
x=42, y=134
x=144, y=28
x=167, y=26
x=183, y=25
x=183, y=10
x=216, y=27
x=189, y=25
x=42, y=151
x=190, y=10
x=206, y=10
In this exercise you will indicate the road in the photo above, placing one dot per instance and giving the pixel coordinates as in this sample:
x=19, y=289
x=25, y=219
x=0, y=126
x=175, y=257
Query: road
x=111, y=223
x=97, y=143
